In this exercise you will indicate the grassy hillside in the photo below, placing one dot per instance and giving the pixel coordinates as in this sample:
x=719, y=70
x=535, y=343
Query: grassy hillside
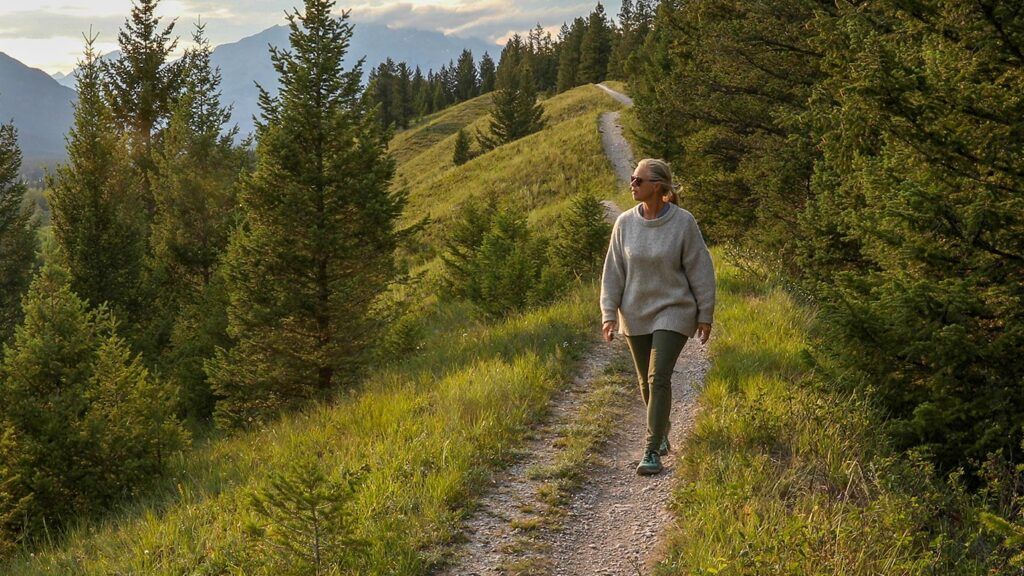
x=427, y=427
x=437, y=127
x=537, y=173
x=783, y=477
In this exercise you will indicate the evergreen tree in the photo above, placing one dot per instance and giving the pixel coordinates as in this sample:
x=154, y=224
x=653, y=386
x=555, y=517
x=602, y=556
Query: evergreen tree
x=461, y=276
x=543, y=59
x=581, y=241
x=317, y=245
x=17, y=234
x=724, y=95
x=381, y=92
x=569, y=54
x=142, y=85
x=438, y=100
x=84, y=422
x=403, y=95
x=595, y=48
x=467, y=85
x=303, y=521
x=462, y=152
x=487, y=76
x=194, y=216
x=493, y=260
x=516, y=112
x=635, y=21
x=914, y=240
x=95, y=211
x=420, y=94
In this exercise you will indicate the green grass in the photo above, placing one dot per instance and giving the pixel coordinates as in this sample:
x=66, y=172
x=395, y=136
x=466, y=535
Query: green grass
x=430, y=426
x=436, y=127
x=429, y=429
x=538, y=173
x=780, y=476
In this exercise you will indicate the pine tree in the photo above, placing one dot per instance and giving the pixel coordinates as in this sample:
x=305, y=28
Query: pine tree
x=18, y=230
x=595, y=48
x=516, y=112
x=508, y=264
x=381, y=92
x=467, y=85
x=317, y=245
x=194, y=216
x=634, y=24
x=569, y=54
x=303, y=521
x=461, y=275
x=914, y=239
x=142, y=84
x=543, y=59
x=462, y=152
x=582, y=237
x=95, y=210
x=402, y=94
x=83, y=420
x=420, y=94
x=487, y=77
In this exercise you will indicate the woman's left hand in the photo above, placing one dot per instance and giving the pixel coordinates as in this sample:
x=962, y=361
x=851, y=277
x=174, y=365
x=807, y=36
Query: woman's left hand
x=703, y=332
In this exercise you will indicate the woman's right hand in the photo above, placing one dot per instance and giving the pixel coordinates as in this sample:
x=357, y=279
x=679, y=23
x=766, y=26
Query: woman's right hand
x=608, y=330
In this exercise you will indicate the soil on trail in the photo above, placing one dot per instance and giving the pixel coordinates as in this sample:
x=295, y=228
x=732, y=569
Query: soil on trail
x=613, y=523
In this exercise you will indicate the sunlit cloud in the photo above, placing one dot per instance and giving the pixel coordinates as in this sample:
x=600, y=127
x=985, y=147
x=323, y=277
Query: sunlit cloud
x=48, y=33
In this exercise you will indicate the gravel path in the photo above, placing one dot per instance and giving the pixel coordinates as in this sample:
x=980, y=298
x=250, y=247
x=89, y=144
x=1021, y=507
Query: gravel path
x=614, y=522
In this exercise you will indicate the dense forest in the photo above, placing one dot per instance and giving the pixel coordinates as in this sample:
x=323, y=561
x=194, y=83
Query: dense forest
x=867, y=156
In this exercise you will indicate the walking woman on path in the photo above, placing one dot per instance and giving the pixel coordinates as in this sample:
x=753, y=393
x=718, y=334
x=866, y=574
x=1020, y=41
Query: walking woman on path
x=657, y=289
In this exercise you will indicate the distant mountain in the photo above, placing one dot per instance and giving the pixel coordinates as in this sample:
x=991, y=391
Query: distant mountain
x=41, y=105
x=42, y=110
x=247, y=61
x=71, y=79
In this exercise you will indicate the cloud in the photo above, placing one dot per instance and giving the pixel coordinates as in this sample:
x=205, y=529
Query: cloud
x=490, y=20
x=64, y=21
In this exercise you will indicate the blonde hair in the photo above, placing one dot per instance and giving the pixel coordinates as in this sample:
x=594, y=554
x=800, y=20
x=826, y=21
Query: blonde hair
x=660, y=171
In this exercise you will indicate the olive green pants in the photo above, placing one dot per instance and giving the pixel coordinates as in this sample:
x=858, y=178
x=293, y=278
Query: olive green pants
x=661, y=350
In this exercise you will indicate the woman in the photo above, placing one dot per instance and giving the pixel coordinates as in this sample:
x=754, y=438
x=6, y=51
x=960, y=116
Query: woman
x=657, y=289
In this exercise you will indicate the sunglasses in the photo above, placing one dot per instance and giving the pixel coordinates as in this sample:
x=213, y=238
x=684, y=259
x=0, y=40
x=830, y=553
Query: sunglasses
x=640, y=181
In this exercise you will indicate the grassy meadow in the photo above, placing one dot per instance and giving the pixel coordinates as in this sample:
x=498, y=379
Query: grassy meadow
x=537, y=173
x=425, y=429
x=781, y=476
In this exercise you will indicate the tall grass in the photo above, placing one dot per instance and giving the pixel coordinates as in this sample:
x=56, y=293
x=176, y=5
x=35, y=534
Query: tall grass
x=429, y=430
x=782, y=476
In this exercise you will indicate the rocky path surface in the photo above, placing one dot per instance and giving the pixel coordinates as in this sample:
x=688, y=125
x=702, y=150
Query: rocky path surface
x=613, y=523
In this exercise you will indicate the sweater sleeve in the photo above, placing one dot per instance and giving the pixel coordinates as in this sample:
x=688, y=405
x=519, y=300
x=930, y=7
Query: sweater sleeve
x=699, y=270
x=613, y=278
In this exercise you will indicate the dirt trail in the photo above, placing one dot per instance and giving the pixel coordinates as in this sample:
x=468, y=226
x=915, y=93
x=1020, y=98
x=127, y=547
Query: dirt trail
x=614, y=522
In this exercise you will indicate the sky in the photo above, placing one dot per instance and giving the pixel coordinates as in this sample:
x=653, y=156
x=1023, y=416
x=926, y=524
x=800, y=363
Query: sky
x=49, y=34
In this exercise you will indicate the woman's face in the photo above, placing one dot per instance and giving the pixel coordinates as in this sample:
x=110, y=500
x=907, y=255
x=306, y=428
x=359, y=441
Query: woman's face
x=641, y=185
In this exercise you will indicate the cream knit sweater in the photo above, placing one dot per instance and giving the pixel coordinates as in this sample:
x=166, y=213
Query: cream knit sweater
x=658, y=274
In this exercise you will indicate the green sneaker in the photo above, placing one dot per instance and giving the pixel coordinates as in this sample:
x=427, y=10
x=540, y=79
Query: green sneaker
x=651, y=464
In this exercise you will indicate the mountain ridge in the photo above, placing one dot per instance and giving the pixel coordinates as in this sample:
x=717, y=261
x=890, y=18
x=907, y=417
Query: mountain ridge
x=41, y=105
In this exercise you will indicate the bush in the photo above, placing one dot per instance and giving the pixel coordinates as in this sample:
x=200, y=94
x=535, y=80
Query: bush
x=582, y=237
x=495, y=262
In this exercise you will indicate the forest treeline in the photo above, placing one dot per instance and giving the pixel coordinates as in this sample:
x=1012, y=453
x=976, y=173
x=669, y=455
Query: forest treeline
x=871, y=154
x=187, y=280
